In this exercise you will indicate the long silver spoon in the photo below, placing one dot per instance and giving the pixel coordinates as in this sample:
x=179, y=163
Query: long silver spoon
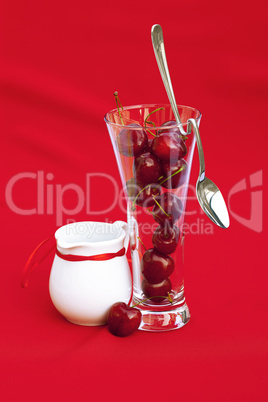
x=208, y=194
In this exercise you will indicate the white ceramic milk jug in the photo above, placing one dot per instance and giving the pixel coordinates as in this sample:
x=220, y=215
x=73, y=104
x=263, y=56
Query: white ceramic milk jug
x=90, y=271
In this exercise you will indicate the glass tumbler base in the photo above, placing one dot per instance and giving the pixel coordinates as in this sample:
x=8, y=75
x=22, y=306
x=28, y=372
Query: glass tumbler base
x=160, y=321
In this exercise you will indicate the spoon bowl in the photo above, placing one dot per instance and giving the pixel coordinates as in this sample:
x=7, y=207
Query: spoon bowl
x=212, y=202
x=208, y=194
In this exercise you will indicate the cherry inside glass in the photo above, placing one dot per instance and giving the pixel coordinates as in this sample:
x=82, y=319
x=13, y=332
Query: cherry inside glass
x=154, y=161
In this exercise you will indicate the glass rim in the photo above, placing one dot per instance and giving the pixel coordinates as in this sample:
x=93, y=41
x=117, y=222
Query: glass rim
x=156, y=105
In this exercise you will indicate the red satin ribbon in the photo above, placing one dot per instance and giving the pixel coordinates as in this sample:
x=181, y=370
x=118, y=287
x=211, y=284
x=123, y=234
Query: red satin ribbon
x=34, y=260
x=97, y=257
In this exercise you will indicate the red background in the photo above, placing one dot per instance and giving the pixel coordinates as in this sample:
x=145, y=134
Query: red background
x=61, y=61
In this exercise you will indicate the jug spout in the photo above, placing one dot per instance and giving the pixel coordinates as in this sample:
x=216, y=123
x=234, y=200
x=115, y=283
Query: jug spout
x=90, y=237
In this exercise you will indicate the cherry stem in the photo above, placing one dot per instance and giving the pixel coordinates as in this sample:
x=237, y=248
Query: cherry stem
x=169, y=298
x=153, y=297
x=141, y=243
x=135, y=199
x=163, y=181
x=150, y=122
x=173, y=174
x=183, y=137
x=152, y=213
x=153, y=124
x=162, y=209
x=118, y=103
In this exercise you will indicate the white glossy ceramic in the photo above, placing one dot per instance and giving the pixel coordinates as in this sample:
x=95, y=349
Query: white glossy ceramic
x=83, y=291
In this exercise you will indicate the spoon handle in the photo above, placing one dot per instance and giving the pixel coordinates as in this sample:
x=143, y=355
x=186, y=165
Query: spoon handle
x=199, y=147
x=160, y=55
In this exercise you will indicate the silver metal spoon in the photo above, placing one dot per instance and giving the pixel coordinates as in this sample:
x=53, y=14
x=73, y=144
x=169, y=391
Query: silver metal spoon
x=208, y=194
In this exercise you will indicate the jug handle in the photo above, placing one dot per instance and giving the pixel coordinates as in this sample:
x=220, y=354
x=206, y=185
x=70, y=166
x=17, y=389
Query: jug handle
x=124, y=226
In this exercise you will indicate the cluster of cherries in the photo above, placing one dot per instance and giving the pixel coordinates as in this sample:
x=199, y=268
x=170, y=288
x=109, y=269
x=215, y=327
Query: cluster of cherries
x=158, y=164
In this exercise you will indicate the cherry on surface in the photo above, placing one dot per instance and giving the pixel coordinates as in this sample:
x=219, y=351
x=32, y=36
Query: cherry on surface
x=169, y=146
x=155, y=266
x=175, y=173
x=158, y=291
x=146, y=168
x=165, y=239
x=123, y=319
x=168, y=209
x=131, y=142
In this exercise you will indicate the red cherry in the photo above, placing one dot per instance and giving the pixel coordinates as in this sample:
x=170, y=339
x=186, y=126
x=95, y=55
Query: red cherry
x=148, y=195
x=169, y=210
x=153, y=291
x=165, y=239
x=169, y=146
x=170, y=123
x=123, y=320
x=131, y=142
x=148, y=147
x=131, y=188
x=172, y=169
x=155, y=266
x=142, y=195
x=146, y=168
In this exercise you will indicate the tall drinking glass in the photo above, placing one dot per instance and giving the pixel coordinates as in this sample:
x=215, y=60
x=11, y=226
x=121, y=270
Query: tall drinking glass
x=154, y=160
